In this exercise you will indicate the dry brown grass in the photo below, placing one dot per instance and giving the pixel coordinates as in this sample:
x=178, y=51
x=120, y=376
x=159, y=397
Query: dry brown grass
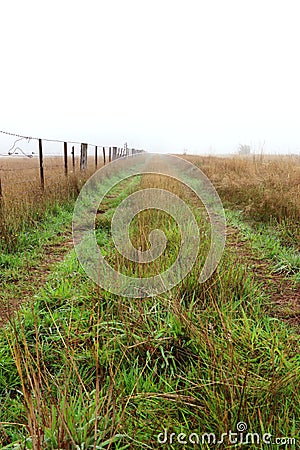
x=24, y=202
x=265, y=188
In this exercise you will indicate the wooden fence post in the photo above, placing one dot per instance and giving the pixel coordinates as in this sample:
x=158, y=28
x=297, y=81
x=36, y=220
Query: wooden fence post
x=96, y=156
x=73, y=158
x=109, y=155
x=83, y=157
x=103, y=149
x=66, y=158
x=41, y=164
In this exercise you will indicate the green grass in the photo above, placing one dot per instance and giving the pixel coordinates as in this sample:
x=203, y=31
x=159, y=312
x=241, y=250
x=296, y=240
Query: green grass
x=266, y=240
x=18, y=268
x=81, y=368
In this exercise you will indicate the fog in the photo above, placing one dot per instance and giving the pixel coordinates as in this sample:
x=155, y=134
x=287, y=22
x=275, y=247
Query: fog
x=165, y=76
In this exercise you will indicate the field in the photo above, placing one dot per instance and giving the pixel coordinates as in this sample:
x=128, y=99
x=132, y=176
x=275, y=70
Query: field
x=24, y=202
x=82, y=368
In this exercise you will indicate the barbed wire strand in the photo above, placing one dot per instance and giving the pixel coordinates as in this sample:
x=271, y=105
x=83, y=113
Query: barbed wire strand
x=14, y=149
x=55, y=140
x=13, y=152
x=44, y=139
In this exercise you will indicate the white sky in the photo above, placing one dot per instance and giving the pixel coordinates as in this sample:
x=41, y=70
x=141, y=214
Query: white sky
x=162, y=75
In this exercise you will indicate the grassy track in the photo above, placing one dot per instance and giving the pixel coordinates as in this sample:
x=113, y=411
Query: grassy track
x=82, y=369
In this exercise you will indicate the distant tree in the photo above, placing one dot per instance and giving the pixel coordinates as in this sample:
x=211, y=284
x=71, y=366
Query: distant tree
x=244, y=149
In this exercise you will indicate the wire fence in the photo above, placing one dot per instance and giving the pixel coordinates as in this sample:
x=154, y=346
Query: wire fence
x=44, y=160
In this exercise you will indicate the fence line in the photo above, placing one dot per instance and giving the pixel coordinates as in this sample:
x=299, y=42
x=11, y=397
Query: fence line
x=113, y=154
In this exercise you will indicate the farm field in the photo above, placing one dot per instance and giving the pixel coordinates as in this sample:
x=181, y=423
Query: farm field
x=81, y=368
x=24, y=202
